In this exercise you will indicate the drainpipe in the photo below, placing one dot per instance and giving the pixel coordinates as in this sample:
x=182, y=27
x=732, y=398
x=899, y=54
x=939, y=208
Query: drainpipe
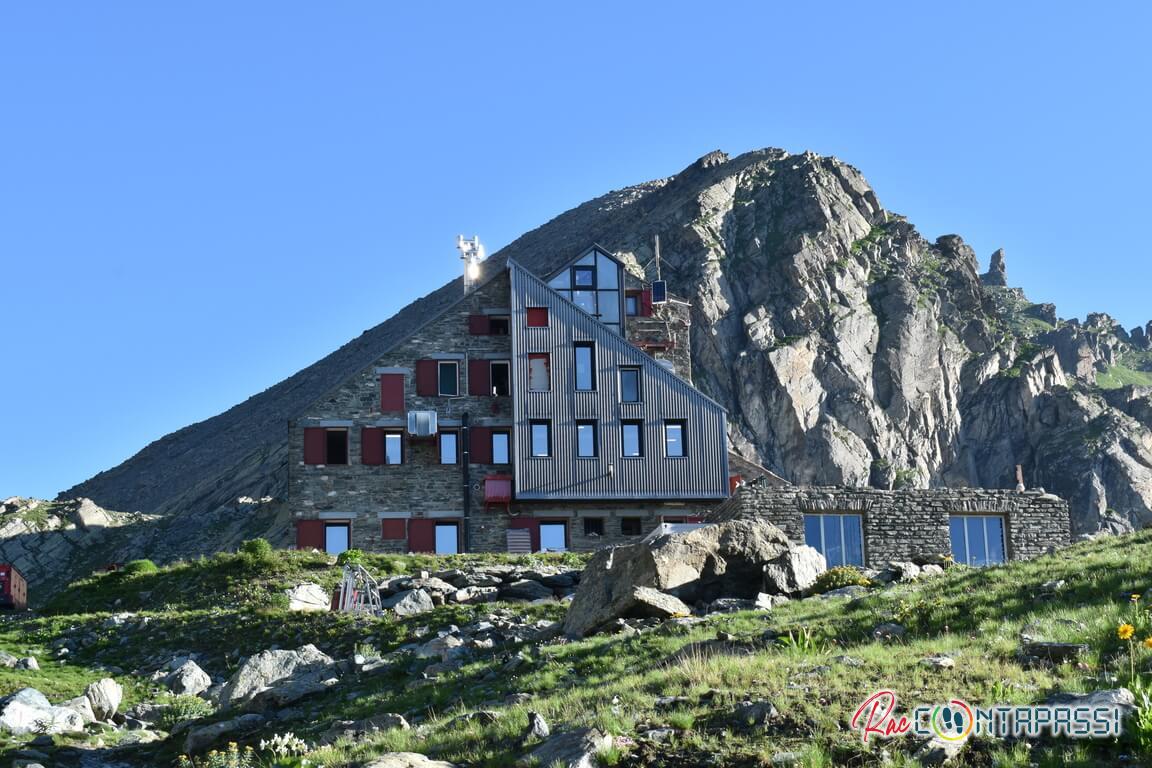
x=466, y=462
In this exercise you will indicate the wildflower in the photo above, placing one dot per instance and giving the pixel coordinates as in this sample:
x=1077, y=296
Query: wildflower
x=1135, y=598
x=1125, y=631
x=1148, y=643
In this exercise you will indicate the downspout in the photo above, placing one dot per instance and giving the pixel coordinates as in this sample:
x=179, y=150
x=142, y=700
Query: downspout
x=466, y=461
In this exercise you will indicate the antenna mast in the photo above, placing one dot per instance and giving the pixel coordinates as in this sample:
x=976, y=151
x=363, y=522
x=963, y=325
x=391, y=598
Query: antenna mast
x=472, y=254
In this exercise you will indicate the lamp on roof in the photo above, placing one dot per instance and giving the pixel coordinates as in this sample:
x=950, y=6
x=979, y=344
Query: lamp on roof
x=471, y=253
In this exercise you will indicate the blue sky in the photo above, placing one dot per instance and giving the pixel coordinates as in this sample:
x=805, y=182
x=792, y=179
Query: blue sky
x=199, y=199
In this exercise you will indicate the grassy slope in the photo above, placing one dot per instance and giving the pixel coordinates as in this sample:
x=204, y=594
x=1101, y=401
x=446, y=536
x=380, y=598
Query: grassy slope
x=973, y=615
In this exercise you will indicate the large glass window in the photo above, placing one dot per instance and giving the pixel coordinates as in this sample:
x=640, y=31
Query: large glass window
x=674, y=447
x=632, y=438
x=553, y=537
x=977, y=539
x=336, y=537
x=541, y=438
x=586, y=439
x=500, y=447
x=585, y=365
x=584, y=277
x=629, y=385
x=838, y=537
x=539, y=378
x=449, y=378
x=393, y=448
x=448, y=447
x=447, y=538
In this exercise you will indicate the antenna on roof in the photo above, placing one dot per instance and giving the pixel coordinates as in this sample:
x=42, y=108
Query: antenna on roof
x=471, y=253
x=658, y=257
x=659, y=287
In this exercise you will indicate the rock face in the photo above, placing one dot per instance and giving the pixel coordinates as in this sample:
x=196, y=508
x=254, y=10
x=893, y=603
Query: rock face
x=847, y=348
x=725, y=560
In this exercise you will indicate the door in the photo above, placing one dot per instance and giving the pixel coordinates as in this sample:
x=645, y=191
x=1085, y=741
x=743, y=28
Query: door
x=336, y=537
x=553, y=537
x=447, y=538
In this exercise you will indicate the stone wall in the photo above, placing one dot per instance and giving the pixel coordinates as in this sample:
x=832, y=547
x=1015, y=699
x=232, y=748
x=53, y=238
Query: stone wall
x=909, y=524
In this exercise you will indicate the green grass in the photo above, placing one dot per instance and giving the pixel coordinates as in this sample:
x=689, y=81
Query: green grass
x=1119, y=375
x=612, y=682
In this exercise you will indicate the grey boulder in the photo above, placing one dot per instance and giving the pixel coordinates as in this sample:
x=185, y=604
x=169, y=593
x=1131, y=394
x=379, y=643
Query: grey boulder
x=574, y=749
x=105, y=696
x=188, y=679
x=268, y=668
x=406, y=760
x=794, y=571
x=409, y=602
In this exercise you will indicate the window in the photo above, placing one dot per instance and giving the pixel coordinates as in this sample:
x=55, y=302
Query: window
x=630, y=526
x=593, y=526
x=537, y=317
x=586, y=439
x=498, y=325
x=583, y=277
x=586, y=300
x=585, y=365
x=977, y=539
x=553, y=537
x=631, y=304
x=838, y=537
x=629, y=385
x=632, y=434
x=448, y=377
x=447, y=538
x=501, y=378
x=336, y=536
x=448, y=447
x=336, y=446
x=539, y=375
x=501, y=442
x=393, y=448
x=674, y=447
x=541, y=438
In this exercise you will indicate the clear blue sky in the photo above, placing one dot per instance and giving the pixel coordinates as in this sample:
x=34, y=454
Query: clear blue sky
x=198, y=199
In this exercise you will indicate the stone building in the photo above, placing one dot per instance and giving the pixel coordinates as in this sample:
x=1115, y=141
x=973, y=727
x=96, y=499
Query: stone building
x=869, y=527
x=532, y=414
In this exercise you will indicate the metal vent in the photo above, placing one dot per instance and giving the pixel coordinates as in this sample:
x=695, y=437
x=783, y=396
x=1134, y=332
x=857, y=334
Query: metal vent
x=422, y=423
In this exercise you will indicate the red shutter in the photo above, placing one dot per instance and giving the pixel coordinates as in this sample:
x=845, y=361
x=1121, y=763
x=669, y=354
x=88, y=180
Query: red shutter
x=394, y=530
x=478, y=325
x=426, y=384
x=481, y=448
x=310, y=534
x=371, y=445
x=480, y=377
x=537, y=317
x=646, y=303
x=533, y=526
x=315, y=445
x=421, y=535
x=391, y=392
x=734, y=482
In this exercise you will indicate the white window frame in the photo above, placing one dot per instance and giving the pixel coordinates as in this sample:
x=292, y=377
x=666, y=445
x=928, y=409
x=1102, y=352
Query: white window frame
x=984, y=529
x=455, y=446
x=823, y=548
x=682, y=425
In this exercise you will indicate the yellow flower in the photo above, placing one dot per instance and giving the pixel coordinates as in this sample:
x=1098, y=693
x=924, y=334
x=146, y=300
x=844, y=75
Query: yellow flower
x=1135, y=598
x=1148, y=643
x=1125, y=631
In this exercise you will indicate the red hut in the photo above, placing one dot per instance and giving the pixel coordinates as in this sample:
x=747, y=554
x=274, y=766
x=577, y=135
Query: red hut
x=13, y=589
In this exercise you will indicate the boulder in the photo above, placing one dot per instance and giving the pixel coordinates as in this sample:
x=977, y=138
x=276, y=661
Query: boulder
x=199, y=739
x=28, y=662
x=81, y=706
x=105, y=696
x=266, y=668
x=29, y=711
x=406, y=760
x=409, y=602
x=723, y=560
x=525, y=589
x=308, y=597
x=359, y=729
x=474, y=595
x=439, y=647
x=794, y=571
x=1118, y=698
x=189, y=679
x=574, y=749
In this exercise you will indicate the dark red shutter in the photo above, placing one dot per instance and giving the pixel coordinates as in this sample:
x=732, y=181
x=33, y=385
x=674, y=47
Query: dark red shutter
x=533, y=526
x=315, y=445
x=393, y=530
x=310, y=534
x=372, y=445
x=421, y=535
x=646, y=303
x=426, y=384
x=481, y=439
x=734, y=482
x=537, y=317
x=480, y=377
x=478, y=325
x=391, y=392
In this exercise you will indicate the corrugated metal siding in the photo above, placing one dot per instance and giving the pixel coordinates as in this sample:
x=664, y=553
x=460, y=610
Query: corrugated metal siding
x=703, y=474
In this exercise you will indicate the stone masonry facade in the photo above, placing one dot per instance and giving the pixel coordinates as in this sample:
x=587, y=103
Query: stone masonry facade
x=910, y=524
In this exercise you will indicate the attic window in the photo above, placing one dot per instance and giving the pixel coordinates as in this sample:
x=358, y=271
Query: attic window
x=498, y=325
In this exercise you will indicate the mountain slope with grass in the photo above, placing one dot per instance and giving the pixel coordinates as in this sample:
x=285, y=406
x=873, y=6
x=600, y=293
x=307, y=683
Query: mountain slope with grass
x=750, y=688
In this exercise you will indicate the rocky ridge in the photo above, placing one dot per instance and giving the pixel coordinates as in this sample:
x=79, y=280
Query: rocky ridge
x=848, y=349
